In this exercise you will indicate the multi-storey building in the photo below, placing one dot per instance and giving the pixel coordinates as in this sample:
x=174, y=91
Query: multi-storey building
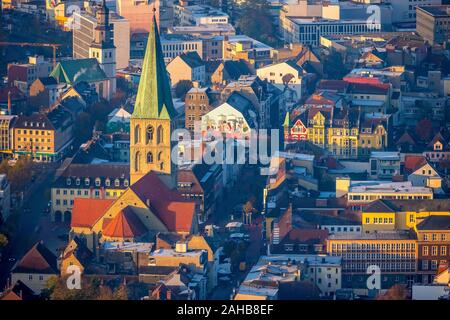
x=84, y=35
x=22, y=75
x=394, y=253
x=361, y=193
x=391, y=215
x=343, y=133
x=198, y=102
x=94, y=181
x=44, y=137
x=384, y=164
x=433, y=235
x=140, y=13
x=6, y=135
x=308, y=30
x=433, y=23
x=175, y=45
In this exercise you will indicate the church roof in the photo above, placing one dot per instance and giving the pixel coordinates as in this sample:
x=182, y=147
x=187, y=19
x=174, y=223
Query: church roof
x=78, y=70
x=154, y=99
x=125, y=225
x=87, y=211
x=171, y=209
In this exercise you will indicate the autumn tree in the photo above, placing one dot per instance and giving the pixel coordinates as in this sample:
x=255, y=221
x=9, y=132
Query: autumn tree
x=424, y=129
x=396, y=292
x=18, y=174
x=3, y=240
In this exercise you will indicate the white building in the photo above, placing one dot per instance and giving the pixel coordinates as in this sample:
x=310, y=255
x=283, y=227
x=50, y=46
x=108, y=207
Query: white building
x=175, y=45
x=284, y=74
x=309, y=30
x=322, y=270
x=199, y=15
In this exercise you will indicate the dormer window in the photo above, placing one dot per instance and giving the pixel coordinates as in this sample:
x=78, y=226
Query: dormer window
x=86, y=181
x=68, y=181
x=117, y=183
x=97, y=182
x=437, y=146
x=125, y=183
x=77, y=182
x=107, y=182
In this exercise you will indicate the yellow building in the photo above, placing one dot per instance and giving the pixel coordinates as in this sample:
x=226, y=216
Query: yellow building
x=44, y=137
x=384, y=215
x=318, y=124
x=75, y=254
x=6, y=134
x=151, y=123
x=343, y=135
x=372, y=136
x=94, y=181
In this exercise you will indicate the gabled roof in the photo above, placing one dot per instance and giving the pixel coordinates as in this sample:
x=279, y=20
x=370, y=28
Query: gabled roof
x=125, y=225
x=174, y=211
x=192, y=59
x=435, y=223
x=78, y=70
x=38, y=259
x=378, y=206
x=154, y=98
x=439, y=137
x=20, y=291
x=413, y=162
x=87, y=211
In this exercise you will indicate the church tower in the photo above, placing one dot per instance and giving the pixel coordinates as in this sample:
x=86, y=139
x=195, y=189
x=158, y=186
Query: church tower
x=103, y=49
x=151, y=123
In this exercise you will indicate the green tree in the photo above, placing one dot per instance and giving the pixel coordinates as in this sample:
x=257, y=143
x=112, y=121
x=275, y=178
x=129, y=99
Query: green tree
x=20, y=173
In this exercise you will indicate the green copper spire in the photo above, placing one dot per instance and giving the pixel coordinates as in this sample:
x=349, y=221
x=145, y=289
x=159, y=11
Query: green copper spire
x=154, y=100
x=287, y=120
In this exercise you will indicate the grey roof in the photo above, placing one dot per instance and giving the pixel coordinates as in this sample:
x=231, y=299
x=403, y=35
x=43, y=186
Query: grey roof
x=435, y=223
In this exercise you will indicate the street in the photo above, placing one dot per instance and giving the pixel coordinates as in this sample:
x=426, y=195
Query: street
x=32, y=226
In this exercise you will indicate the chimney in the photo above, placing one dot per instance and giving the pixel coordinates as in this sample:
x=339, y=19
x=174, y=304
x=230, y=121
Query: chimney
x=168, y=295
x=9, y=102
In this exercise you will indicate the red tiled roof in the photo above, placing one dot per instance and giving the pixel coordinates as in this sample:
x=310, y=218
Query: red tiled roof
x=381, y=88
x=38, y=259
x=169, y=206
x=304, y=235
x=125, y=225
x=87, y=211
x=412, y=163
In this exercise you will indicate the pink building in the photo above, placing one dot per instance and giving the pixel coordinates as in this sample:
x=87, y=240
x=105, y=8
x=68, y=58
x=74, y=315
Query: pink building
x=140, y=13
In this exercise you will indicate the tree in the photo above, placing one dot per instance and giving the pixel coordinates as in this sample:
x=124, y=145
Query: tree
x=424, y=129
x=396, y=292
x=182, y=87
x=19, y=174
x=256, y=22
x=3, y=240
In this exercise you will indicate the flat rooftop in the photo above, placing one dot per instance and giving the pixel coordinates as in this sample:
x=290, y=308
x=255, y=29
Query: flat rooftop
x=385, y=235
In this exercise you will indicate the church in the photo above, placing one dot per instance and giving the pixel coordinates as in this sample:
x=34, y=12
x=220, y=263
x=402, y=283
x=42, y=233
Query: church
x=151, y=204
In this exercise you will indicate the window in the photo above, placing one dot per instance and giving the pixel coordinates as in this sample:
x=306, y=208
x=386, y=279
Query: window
x=160, y=135
x=425, y=251
x=443, y=251
x=97, y=182
x=117, y=182
x=137, y=134
x=149, y=157
x=149, y=134
x=434, y=250
x=107, y=182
